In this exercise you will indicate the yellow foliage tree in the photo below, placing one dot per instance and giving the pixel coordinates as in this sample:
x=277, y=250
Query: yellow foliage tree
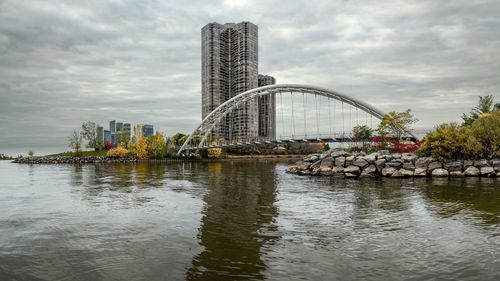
x=214, y=152
x=141, y=147
x=117, y=152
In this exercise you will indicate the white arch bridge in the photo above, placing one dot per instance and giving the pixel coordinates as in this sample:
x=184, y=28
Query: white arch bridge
x=293, y=117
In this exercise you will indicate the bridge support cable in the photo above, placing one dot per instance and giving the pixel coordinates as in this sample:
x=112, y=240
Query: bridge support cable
x=293, y=116
x=282, y=120
x=343, y=120
x=304, y=101
x=317, y=115
x=330, y=117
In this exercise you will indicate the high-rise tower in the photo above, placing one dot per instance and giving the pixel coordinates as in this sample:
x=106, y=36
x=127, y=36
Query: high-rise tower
x=267, y=110
x=230, y=67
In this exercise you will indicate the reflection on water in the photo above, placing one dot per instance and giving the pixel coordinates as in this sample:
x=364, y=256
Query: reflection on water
x=241, y=221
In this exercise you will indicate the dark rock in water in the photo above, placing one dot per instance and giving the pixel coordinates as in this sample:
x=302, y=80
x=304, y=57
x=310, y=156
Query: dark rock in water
x=350, y=175
x=338, y=170
x=420, y=172
x=380, y=163
x=456, y=174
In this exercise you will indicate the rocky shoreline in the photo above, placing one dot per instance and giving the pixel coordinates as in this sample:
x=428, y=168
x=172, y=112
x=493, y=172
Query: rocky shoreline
x=393, y=165
x=73, y=160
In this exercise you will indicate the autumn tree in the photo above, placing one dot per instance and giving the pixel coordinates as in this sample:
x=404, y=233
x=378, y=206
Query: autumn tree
x=486, y=129
x=157, y=147
x=141, y=147
x=362, y=134
x=397, y=124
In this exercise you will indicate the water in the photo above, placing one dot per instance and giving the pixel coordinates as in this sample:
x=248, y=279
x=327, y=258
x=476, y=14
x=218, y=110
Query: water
x=241, y=221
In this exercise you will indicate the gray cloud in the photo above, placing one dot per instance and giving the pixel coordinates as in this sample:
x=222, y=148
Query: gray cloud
x=63, y=62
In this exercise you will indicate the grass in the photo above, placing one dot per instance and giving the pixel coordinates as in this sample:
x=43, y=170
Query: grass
x=81, y=154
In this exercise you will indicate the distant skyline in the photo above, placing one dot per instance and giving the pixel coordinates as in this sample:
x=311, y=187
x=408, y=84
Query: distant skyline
x=66, y=62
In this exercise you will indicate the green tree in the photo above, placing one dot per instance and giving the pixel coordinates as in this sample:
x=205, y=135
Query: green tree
x=362, y=134
x=75, y=141
x=157, y=147
x=89, y=133
x=485, y=105
x=486, y=129
x=450, y=141
x=397, y=124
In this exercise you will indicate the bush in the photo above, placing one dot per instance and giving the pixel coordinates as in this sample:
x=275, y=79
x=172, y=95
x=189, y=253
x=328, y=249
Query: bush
x=450, y=141
x=117, y=152
x=486, y=129
x=214, y=152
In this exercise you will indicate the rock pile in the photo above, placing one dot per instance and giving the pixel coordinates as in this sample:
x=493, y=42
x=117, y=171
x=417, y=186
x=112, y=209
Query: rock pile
x=73, y=160
x=395, y=165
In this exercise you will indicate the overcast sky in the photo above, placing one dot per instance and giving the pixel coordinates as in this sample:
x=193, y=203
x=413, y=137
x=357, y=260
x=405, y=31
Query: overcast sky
x=64, y=62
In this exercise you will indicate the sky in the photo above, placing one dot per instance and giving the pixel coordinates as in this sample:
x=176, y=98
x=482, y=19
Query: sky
x=66, y=62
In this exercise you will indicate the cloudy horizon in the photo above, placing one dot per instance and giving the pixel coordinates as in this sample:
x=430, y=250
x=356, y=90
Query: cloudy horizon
x=65, y=62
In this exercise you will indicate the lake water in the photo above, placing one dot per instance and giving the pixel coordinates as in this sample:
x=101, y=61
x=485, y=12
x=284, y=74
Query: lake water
x=242, y=221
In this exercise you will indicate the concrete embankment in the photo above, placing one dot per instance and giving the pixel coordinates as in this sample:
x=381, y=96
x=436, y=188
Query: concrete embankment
x=395, y=165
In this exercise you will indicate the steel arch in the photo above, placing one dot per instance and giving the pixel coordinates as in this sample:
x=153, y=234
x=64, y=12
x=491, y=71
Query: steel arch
x=211, y=120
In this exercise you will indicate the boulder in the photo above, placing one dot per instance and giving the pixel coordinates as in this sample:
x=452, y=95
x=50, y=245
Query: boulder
x=293, y=170
x=487, y=171
x=360, y=162
x=495, y=163
x=326, y=171
x=315, y=164
x=439, y=172
x=384, y=152
x=338, y=153
x=396, y=163
x=398, y=174
x=380, y=164
x=369, y=171
x=467, y=163
x=409, y=157
x=453, y=166
x=408, y=166
x=396, y=155
x=312, y=158
x=349, y=159
x=338, y=170
x=325, y=154
x=472, y=171
x=303, y=165
x=371, y=158
x=350, y=175
x=434, y=165
x=420, y=172
x=352, y=170
x=388, y=171
x=305, y=172
x=456, y=174
x=326, y=162
x=422, y=163
x=481, y=163
x=388, y=157
x=340, y=161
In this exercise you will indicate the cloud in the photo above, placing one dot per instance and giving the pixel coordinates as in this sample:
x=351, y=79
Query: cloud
x=64, y=62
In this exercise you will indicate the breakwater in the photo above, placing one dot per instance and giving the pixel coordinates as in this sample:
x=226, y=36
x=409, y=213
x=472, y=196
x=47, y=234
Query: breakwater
x=74, y=160
x=394, y=165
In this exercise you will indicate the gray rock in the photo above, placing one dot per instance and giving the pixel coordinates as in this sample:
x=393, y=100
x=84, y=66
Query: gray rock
x=384, y=152
x=326, y=162
x=468, y=163
x=340, y=161
x=303, y=165
x=388, y=171
x=396, y=163
x=453, y=166
x=389, y=157
x=398, y=174
x=409, y=166
x=350, y=175
x=293, y=170
x=380, y=164
x=325, y=154
x=349, y=159
x=421, y=163
x=481, y=163
x=434, y=165
x=420, y=172
x=315, y=164
x=326, y=171
x=338, y=170
x=369, y=171
x=409, y=157
x=371, y=158
x=495, y=163
x=338, y=153
x=360, y=162
x=352, y=169
x=439, y=172
x=487, y=171
x=472, y=171
x=396, y=155
x=456, y=174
